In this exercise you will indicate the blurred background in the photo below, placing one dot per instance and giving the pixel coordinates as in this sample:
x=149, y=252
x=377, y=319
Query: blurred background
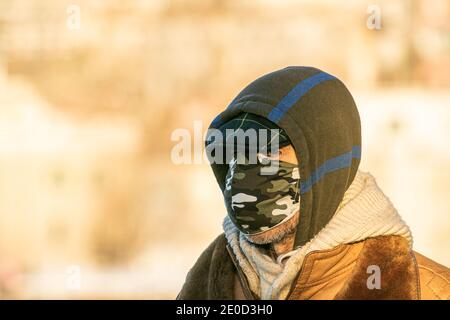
x=91, y=204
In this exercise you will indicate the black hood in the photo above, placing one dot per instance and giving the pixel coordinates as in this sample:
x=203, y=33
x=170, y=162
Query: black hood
x=321, y=119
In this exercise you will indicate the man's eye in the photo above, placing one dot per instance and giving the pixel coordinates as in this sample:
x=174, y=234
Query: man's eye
x=269, y=156
x=265, y=159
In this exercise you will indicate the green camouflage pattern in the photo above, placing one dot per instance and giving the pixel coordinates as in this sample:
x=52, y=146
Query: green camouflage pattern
x=256, y=202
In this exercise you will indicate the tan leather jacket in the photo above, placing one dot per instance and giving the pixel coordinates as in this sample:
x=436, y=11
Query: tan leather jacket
x=342, y=273
x=339, y=273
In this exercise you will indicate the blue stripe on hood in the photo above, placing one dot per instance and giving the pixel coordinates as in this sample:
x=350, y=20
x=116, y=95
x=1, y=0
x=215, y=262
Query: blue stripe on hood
x=339, y=162
x=296, y=93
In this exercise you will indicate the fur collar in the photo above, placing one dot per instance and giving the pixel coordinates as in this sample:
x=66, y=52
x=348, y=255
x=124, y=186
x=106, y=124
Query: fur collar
x=399, y=273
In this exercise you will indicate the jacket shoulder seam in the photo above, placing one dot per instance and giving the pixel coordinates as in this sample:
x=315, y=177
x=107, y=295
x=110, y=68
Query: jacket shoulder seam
x=416, y=269
x=435, y=273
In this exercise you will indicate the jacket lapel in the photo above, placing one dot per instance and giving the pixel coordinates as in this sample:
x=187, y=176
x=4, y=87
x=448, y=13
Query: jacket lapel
x=221, y=273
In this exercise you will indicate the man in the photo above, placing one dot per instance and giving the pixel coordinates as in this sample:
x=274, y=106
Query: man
x=317, y=228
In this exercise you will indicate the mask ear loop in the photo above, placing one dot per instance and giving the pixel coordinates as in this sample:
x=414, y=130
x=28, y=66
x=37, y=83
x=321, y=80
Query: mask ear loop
x=262, y=158
x=297, y=193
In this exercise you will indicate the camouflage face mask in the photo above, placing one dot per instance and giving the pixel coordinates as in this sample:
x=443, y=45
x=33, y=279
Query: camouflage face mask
x=256, y=202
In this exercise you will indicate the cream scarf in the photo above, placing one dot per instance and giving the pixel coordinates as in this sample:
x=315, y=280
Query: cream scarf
x=364, y=212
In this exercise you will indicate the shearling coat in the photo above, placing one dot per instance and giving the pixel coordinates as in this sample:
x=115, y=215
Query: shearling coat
x=339, y=273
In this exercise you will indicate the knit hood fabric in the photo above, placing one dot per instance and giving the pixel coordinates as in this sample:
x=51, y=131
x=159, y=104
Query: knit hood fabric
x=319, y=115
x=363, y=213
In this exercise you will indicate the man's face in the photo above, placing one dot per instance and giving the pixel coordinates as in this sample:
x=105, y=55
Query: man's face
x=286, y=154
